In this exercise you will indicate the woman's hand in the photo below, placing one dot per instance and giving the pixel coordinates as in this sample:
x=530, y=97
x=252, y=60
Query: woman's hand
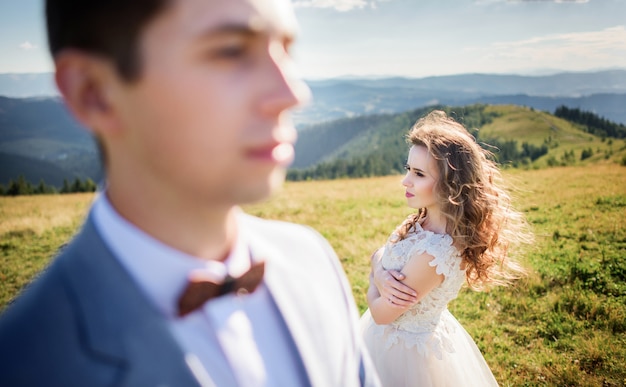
x=389, y=285
x=395, y=297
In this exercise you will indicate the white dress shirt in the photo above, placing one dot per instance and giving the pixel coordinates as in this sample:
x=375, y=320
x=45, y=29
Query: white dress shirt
x=233, y=339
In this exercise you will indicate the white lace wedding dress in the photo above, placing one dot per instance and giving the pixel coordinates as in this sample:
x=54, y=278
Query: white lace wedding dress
x=426, y=345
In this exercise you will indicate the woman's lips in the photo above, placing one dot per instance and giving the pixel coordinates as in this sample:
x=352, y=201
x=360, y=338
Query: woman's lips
x=408, y=194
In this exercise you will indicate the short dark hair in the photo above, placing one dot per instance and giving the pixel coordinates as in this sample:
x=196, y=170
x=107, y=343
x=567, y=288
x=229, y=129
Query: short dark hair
x=110, y=28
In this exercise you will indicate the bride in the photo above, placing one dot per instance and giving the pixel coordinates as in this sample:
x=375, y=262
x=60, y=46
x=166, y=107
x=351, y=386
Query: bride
x=461, y=233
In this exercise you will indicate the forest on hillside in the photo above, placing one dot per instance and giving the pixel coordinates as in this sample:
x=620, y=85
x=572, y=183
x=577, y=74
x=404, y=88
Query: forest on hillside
x=591, y=122
x=374, y=145
x=21, y=186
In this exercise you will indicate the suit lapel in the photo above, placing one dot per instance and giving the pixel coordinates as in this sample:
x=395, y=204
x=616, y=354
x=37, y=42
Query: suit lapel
x=283, y=282
x=119, y=325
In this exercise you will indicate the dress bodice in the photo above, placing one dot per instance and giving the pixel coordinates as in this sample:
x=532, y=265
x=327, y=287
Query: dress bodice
x=425, y=317
x=426, y=345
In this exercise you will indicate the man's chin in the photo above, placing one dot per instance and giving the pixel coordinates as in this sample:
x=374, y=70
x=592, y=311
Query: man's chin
x=265, y=189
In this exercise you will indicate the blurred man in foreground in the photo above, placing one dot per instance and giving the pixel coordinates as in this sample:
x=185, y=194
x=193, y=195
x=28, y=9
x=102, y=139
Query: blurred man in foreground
x=189, y=102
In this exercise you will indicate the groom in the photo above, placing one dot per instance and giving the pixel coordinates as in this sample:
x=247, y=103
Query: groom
x=188, y=100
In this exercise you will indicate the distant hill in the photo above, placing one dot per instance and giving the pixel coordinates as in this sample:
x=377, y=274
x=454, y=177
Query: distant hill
x=518, y=136
x=603, y=93
x=27, y=85
x=560, y=84
x=572, y=84
x=11, y=166
x=349, y=119
x=39, y=138
x=609, y=106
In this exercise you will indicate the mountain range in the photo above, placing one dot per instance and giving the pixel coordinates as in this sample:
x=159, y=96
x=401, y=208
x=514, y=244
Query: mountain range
x=602, y=93
x=516, y=136
x=27, y=85
x=39, y=139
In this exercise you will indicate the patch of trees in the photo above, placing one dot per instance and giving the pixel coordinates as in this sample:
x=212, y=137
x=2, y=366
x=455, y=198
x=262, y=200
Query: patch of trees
x=509, y=153
x=384, y=152
x=378, y=148
x=372, y=165
x=471, y=117
x=592, y=123
x=23, y=187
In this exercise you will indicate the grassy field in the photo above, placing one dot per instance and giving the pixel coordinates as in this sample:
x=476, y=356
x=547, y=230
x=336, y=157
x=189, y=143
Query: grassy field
x=538, y=128
x=563, y=325
x=32, y=228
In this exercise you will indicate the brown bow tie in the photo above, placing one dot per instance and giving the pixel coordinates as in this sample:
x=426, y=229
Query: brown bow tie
x=201, y=289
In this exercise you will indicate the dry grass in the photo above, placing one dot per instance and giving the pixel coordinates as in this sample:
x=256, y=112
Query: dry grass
x=563, y=325
x=38, y=214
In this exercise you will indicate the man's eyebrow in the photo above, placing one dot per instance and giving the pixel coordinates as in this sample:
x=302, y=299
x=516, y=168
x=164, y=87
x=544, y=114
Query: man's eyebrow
x=248, y=30
x=228, y=29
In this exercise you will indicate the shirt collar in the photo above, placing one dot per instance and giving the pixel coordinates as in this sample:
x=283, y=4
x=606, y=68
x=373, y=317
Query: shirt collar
x=160, y=270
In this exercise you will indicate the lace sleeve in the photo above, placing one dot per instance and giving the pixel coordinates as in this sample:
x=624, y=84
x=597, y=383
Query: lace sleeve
x=445, y=255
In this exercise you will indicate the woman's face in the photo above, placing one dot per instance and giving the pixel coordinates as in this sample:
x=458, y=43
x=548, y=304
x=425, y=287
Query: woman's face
x=420, y=179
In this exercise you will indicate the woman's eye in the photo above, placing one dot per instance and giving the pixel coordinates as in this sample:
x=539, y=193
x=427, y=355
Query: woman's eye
x=417, y=173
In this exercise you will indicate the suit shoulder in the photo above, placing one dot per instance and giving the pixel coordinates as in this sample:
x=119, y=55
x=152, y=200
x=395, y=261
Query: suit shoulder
x=279, y=228
x=46, y=286
x=35, y=317
x=289, y=237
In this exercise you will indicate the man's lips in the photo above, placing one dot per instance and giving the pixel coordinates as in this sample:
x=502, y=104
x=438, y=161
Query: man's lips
x=279, y=153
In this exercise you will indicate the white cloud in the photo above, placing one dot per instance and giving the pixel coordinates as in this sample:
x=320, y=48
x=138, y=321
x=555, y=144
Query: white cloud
x=568, y=50
x=339, y=5
x=614, y=37
x=552, y=1
x=489, y=2
x=27, y=46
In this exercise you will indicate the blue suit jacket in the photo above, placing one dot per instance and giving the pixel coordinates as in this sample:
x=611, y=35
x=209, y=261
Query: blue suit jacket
x=84, y=322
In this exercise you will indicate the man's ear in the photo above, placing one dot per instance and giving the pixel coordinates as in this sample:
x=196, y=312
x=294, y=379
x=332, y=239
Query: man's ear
x=85, y=81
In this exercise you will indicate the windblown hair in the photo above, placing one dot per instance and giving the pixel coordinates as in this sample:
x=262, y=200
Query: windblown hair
x=478, y=211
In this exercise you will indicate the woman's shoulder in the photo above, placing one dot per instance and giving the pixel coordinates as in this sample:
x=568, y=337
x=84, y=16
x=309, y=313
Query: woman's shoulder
x=439, y=248
x=421, y=236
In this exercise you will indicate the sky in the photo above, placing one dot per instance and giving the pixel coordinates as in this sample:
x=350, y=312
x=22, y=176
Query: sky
x=413, y=38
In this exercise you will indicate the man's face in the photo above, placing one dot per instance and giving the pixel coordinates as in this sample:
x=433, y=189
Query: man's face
x=207, y=118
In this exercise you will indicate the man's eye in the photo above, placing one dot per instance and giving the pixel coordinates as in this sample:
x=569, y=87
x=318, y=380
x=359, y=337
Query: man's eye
x=230, y=52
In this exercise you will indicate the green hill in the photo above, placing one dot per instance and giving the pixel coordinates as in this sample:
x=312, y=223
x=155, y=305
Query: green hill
x=518, y=136
x=567, y=142
x=33, y=170
x=44, y=141
x=45, y=136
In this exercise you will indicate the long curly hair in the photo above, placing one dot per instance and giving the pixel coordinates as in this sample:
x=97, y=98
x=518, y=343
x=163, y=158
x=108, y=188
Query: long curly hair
x=478, y=211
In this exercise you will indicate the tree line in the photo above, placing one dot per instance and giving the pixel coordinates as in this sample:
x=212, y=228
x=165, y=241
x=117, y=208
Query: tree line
x=385, y=145
x=21, y=186
x=385, y=160
x=508, y=153
x=374, y=165
x=592, y=123
x=379, y=155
